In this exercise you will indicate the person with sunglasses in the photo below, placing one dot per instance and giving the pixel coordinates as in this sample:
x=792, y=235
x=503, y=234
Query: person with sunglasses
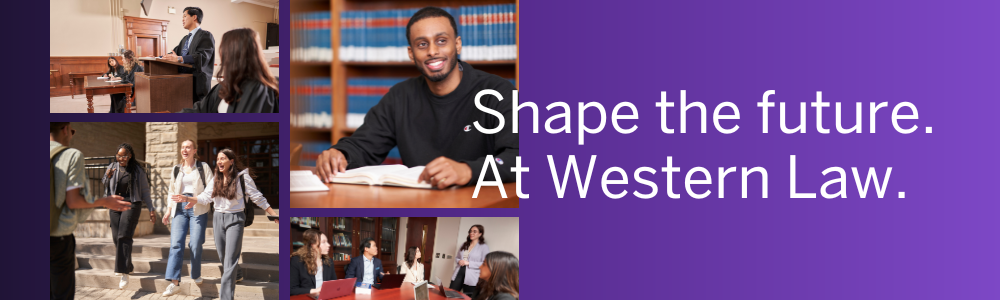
x=125, y=178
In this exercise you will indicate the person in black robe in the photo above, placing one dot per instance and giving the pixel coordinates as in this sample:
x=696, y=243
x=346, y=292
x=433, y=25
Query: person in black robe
x=245, y=85
x=125, y=73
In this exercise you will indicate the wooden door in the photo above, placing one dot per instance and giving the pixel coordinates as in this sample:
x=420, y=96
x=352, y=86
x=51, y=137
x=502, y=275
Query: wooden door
x=145, y=46
x=420, y=234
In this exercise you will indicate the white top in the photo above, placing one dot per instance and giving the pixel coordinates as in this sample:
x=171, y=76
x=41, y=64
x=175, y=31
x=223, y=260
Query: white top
x=229, y=206
x=319, y=275
x=465, y=255
x=175, y=189
x=415, y=274
x=188, y=181
x=223, y=106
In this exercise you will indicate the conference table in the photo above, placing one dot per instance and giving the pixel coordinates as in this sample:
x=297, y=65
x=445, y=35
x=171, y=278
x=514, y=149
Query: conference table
x=343, y=195
x=94, y=86
x=404, y=292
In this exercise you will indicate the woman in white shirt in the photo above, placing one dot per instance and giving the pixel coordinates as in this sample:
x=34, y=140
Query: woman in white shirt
x=188, y=178
x=412, y=266
x=226, y=190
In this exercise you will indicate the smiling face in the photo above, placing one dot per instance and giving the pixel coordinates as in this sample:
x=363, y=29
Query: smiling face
x=223, y=163
x=474, y=234
x=187, y=150
x=123, y=157
x=434, y=48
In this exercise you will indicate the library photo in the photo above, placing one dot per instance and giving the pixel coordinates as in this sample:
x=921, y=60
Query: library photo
x=163, y=56
x=164, y=209
x=401, y=104
x=404, y=258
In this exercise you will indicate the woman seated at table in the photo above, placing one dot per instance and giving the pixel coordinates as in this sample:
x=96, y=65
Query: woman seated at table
x=126, y=74
x=310, y=264
x=498, y=277
x=245, y=82
x=412, y=266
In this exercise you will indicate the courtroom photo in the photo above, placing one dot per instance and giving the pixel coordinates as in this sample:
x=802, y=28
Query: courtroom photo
x=164, y=56
x=164, y=209
x=401, y=104
x=439, y=258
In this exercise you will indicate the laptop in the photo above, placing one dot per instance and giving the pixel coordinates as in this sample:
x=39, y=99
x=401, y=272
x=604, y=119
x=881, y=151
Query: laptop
x=420, y=291
x=391, y=281
x=335, y=288
x=447, y=293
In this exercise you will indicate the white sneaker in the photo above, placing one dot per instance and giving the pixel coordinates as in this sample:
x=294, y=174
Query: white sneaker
x=118, y=274
x=171, y=290
x=197, y=281
x=124, y=281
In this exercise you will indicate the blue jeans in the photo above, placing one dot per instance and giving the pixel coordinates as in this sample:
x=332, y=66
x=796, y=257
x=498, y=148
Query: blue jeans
x=184, y=221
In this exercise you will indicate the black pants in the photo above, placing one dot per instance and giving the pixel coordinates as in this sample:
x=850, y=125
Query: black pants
x=122, y=229
x=62, y=256
x=459, y=284
x=117, y=103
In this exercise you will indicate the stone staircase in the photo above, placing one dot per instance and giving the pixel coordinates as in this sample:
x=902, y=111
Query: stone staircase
x=96, y=258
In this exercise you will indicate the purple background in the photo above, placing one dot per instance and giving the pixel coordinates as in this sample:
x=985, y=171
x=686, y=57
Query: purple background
x=940, y=242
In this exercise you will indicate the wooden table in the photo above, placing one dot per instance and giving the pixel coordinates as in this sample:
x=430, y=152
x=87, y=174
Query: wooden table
x=343, y=195
x=74, y=75
x=94, y=86
x=404, y=292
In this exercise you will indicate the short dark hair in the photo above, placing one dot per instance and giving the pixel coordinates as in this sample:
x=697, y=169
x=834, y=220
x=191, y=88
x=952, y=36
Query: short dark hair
x=55, y=127
x=195, y=12
x=367, y=243
x=429, y=12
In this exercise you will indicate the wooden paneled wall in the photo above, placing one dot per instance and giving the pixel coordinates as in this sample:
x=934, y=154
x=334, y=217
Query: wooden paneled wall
x=63, y=65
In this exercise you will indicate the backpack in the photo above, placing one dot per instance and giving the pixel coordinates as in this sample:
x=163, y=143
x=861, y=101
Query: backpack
x=247, y=205
x=197, y=165
x=54, y=211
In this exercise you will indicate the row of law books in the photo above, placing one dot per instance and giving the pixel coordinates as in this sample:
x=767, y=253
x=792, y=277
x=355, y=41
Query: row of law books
x=311, y=37
x=312, y=149
x=488, y=32
x=339, y=240
x=313, y=106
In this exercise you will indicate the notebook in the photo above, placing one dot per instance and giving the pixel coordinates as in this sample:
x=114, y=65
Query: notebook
x=394, y=175
x=305, y=181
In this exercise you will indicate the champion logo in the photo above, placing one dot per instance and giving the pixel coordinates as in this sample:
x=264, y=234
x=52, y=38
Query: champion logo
x=499, y=161
x=467, y=128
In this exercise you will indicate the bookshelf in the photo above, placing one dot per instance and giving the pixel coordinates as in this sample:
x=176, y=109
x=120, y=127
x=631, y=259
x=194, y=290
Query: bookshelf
x=345, y=236
x=340, y=71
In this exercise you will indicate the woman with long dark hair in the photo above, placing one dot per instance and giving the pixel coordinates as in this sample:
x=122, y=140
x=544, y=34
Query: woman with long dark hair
x=115, y=69
x=189, y=178
x=470, y=256
x=499, y=277
x=227, y=190
x=126, y=178
x=245, y=81
x=310, y=264
x=412, y=266
x=126, y=74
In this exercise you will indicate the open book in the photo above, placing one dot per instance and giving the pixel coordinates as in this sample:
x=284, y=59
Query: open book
x=305, y=181
x=395, y=175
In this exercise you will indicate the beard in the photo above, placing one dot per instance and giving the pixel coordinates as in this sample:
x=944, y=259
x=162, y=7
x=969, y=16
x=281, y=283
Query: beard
x=437, y=77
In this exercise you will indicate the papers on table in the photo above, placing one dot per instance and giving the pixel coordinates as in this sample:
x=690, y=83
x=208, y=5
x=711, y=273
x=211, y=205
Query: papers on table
x=305, y=181
x=113, y=81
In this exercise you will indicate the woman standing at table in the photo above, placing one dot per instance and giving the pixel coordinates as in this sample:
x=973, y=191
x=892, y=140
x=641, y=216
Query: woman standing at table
x=228, y=189
x=412, y=266
x=245, y=81
x=499, y=274
x=126, y=178
x=470, y=256
x=188, y=178
x=310, y=264
x=127, y=76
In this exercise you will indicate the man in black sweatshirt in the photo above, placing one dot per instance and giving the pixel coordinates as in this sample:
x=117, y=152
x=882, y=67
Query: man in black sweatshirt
x=431, y=117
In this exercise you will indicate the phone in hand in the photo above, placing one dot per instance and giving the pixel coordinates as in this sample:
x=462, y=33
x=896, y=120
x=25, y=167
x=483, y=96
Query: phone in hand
x=272, y=218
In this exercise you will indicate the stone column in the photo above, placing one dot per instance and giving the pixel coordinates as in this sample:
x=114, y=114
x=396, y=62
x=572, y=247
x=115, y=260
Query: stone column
x=163, y=141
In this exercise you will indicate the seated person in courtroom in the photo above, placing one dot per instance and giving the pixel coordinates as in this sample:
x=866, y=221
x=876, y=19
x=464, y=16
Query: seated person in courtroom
x=430, y=117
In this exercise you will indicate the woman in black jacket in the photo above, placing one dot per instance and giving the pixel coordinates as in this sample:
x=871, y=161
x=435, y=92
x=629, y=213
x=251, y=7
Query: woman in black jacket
x=310, y=264
x=126, y=178
x=245, y=81
x=126, y=74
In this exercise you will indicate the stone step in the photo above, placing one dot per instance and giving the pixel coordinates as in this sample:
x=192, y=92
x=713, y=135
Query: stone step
x=256, y=250
x=155, y=283
x=98, y=225
x=257, y=272
x=247, y=232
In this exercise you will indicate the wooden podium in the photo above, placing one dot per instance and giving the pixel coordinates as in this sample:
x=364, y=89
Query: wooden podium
x=162, y=88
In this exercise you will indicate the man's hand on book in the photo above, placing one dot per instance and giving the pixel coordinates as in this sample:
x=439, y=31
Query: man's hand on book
x=330, y=162
x=443, y=172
